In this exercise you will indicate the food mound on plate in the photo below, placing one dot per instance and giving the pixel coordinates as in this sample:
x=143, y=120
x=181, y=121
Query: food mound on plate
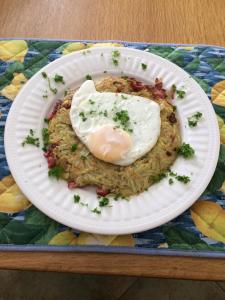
x=116, y=133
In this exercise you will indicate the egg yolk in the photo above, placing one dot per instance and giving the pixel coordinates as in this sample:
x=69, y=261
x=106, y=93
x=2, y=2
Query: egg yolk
x=109, y=143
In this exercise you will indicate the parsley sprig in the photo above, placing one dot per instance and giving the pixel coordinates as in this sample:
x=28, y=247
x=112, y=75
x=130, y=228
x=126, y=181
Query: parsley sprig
x=88, y=77
x=56, y=172
x=45, y=76
x=123, y=119
x=30, y=139
x=194, y=119
x=144, y=66
x=115, y=57
x=171, y=176
x=180, y=93
x=186, y=151
x=59, y=79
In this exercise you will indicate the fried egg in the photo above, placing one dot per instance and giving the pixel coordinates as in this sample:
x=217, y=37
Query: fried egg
x=117, y=128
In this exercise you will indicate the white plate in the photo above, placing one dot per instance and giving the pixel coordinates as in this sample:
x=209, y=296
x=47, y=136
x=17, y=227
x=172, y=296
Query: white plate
x=150, y=209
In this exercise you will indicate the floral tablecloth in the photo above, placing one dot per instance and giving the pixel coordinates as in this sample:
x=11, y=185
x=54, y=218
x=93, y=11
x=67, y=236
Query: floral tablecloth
x=199, y=231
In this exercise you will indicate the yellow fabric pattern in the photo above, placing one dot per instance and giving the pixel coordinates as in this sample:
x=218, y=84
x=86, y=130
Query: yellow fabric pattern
x=218, y=93
x=63, y=238
x=209, y=218
x=10, y=91
x=13, y=50
x=12, y=200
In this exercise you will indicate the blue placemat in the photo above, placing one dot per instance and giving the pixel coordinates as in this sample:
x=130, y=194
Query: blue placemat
x=200, y=231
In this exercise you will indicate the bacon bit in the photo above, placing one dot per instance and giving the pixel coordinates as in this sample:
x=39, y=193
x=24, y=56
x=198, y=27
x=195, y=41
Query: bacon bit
x=168, y=153
x=157, y=91
x=72, y=185
x=48, y=153
x=172, y=118
x=158, y=94
x=101, y=191
x=158, y=83
x=136, y=85
x=55, y=109
x=51, y=162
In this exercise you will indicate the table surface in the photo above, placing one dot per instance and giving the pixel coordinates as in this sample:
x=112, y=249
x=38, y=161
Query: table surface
x=158, y=21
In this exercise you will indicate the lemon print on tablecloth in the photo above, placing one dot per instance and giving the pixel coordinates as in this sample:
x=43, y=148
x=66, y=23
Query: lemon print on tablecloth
x=72, y=47
x=221, y=128
x=10, y=91
x=13, y=50
x=12, y=200
x=209, y=218
x=105, y=240
x=64, y=238
x=218, y=93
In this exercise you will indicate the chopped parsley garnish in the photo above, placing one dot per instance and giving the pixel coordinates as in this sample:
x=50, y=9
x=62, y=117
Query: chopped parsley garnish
x=45, y=138
x=159, y=177
x=182, y=178
x=180, y=94
x=88, y=77
x=55, y=172
x=45, y=76
x=174, y=88
x=30, y=139
x=104, y=202
x=115, y=57
x=123, y=97
x=45, y=95
x=96, y=211
x=116, y=53
x=115, y=62
x=186, y=151
x=185, y=179
x=105, y=113
x=82, y=115
x=122, y=117
x=58, y=78
x=92, y=112
x=171, y=175
x=46, y=120
x=74, y=147
x=144, y=66
x=83, y=157
x=171, y=181
x=76, y=198
x=193, y=120
x=91, y=101
x=65, y=93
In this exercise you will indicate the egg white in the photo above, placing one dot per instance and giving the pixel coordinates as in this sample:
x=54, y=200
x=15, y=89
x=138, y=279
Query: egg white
x=144, y=117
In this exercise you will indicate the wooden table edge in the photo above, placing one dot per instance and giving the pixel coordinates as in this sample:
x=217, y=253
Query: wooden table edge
x=116, y=264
